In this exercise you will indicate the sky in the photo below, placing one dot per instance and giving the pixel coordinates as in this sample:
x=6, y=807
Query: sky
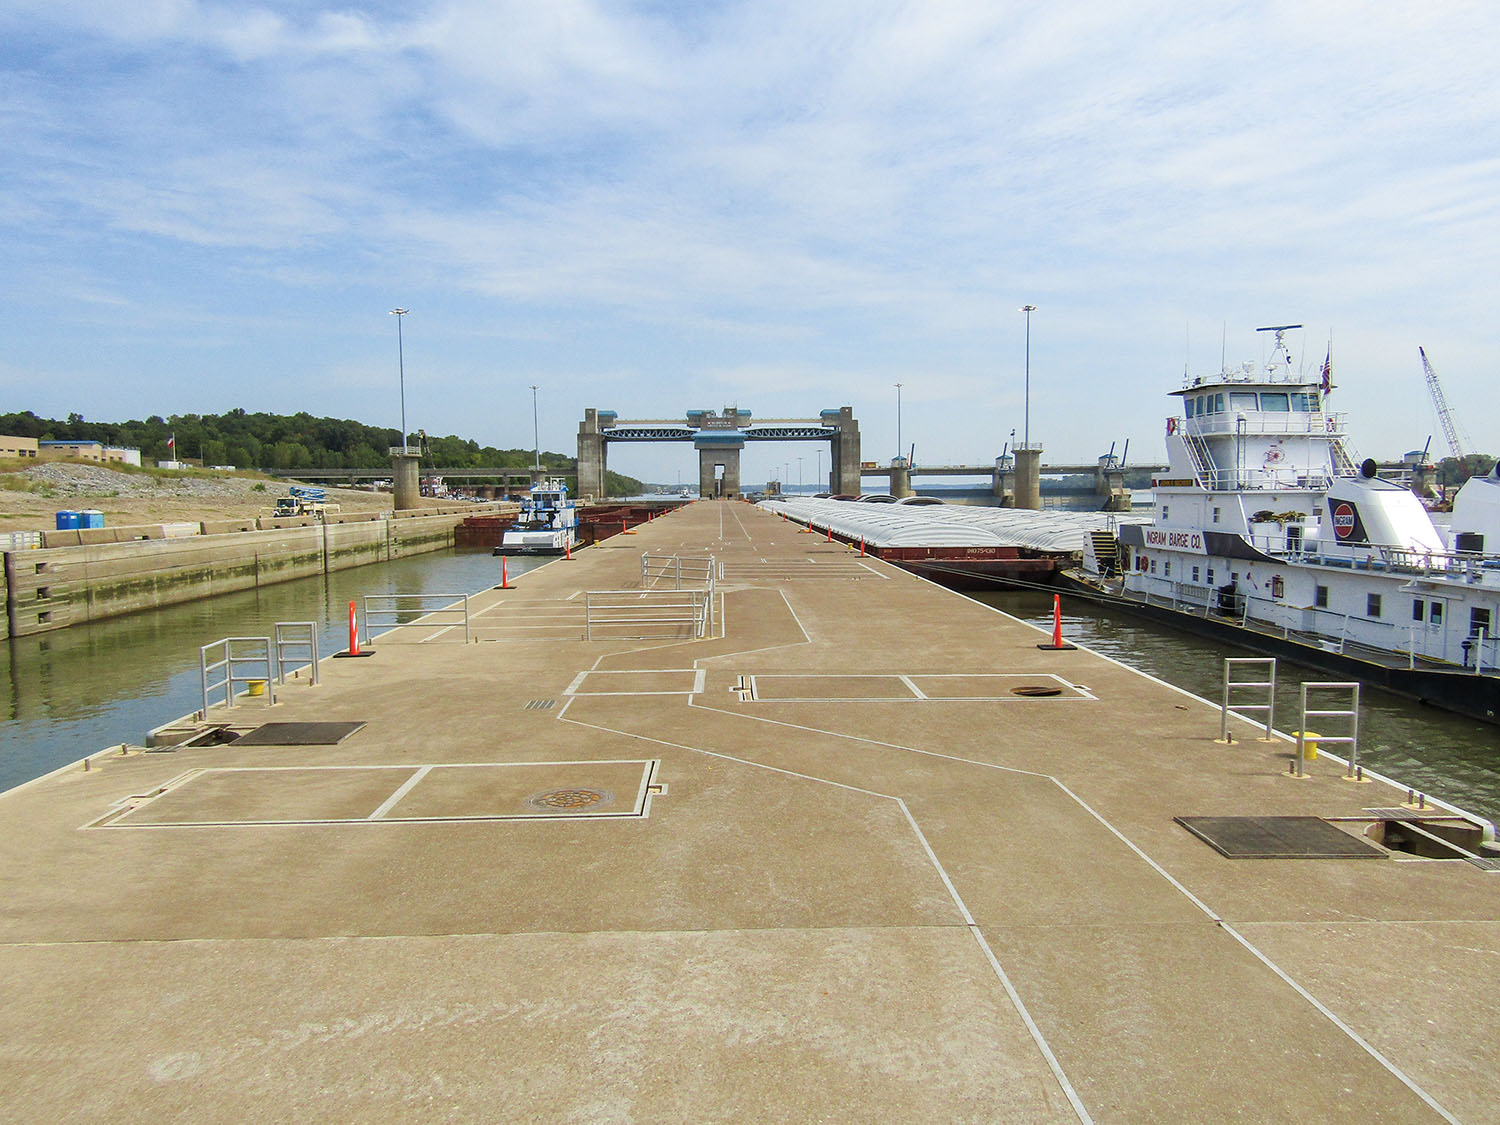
x=784, y=205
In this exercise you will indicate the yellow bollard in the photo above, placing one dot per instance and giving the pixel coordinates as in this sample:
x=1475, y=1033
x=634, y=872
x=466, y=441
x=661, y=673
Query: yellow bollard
x=255, y=687
x=1309, y=744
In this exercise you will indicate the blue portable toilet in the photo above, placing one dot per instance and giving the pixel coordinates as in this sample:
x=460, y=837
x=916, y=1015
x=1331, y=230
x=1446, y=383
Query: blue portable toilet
x=91, y=517
x=67, y=521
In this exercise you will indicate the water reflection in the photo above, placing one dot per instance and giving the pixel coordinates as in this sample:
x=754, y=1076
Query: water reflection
x=81, y=689
x=1449, y=756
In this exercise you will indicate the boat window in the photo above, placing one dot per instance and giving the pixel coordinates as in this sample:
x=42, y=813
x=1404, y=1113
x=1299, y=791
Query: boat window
x=1278, y=586
x=1479, y=619
x=1418, y=609
x=1435, y=615
x=1195, y=574
x=1320, y=597
x=1188, y=403
x=1210, y=576
x=1241, y=400
x=1216, y=515
x=1372, y=605
x=1304, y=403
x=1166, y=569
x=1274, y=400
x=1204, y=403
x=1218, y=404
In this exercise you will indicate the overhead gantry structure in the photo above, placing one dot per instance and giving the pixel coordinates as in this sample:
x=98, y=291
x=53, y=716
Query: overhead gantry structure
x=719, y=436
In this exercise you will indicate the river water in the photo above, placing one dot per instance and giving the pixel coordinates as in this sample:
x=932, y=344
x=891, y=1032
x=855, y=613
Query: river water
x=81, y=689
x=1432, y=751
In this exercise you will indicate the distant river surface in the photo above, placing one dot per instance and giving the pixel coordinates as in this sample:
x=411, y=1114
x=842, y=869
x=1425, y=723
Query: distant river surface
x=1432, y=751
x=72, y=692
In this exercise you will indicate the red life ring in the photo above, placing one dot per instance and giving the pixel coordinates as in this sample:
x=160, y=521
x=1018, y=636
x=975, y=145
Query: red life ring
x=1171, y=425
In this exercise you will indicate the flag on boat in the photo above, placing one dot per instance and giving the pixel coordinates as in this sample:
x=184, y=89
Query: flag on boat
x=1328, y=372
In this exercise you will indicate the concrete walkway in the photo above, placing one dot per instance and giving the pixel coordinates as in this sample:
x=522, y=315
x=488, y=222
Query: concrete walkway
x=822, y=864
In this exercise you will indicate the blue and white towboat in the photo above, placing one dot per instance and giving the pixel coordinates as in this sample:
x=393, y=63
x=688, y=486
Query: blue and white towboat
x=1266, y=527
x=546, y=525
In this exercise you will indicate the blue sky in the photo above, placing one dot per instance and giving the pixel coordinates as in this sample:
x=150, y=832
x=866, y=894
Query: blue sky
x=782, y=205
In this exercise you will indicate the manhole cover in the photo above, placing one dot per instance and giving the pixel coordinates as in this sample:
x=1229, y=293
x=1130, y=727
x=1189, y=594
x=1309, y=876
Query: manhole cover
x=570, y=800
x=1034, y=690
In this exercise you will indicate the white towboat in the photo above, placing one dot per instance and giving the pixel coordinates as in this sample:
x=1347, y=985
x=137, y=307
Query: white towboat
x=546, y=525
x=1264, y=525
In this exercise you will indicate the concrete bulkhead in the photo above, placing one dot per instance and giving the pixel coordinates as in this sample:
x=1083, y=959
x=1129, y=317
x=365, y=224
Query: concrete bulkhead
x=58, y=586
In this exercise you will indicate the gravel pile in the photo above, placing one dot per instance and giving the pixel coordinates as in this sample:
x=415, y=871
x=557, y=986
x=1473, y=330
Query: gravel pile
x=96, y=480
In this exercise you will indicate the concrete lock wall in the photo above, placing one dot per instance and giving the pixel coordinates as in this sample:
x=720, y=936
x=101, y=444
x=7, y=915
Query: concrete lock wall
x=58, y=586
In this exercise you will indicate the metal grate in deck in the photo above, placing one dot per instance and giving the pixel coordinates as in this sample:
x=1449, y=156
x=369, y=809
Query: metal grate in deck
x=1277, y=837
x=298, y=734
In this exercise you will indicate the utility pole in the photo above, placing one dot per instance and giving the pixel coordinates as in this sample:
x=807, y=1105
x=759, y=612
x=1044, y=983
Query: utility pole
x=898, y=420
x=401, y=368
x=536, y=430
x=1026, y=422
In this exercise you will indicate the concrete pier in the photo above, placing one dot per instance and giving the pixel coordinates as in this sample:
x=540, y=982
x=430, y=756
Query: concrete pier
x=1028, y=478
x=837, y=859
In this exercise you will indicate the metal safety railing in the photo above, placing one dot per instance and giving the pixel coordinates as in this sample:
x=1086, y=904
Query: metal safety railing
x=1260, y=688
x=643, y=614
x=1351, y=713
x=404, y=611
x=296, y=644
x=677, y=570
x=231, y=661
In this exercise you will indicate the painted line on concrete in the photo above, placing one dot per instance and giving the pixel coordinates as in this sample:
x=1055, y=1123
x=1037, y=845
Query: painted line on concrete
x=1035, y=1032
x=915, y=690
x=390, y=802
x=1406, y=1080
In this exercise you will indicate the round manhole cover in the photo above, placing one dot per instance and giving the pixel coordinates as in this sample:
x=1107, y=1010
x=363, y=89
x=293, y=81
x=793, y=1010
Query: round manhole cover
x=1035, y=690
x=570, y=800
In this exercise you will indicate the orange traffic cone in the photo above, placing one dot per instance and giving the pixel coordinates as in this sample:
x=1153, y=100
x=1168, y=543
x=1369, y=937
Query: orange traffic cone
x=1057, y=642
x=505, y=574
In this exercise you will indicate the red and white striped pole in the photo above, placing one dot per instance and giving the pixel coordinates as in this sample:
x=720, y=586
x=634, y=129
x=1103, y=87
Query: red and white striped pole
x=504, y=573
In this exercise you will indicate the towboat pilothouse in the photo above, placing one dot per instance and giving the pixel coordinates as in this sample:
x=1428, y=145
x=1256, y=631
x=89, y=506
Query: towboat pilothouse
x=1264, y=525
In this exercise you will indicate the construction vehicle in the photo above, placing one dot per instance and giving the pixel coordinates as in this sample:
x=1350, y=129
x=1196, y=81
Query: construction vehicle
x=303, y=501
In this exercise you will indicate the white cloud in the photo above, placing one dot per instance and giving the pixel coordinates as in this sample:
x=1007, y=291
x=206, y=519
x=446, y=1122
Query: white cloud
x=788, y=196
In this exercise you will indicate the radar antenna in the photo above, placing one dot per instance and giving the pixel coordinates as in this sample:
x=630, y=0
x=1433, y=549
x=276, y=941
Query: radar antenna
x=1282, y=351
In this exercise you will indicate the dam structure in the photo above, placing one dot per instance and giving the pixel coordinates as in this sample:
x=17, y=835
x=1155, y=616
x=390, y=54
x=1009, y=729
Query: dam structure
x=719, y=819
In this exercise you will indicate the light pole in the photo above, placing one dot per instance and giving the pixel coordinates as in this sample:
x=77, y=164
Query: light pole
x=401, y=368
x=799, y=474
x=1026, y=426
x=821, y=482
x=536, y=430
x=898, y=419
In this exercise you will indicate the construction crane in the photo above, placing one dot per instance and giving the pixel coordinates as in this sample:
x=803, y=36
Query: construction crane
x=1455, y=436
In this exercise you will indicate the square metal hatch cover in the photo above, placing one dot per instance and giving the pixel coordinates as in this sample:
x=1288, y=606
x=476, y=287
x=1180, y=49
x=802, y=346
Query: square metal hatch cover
x=1277, y=837
x=298, y=734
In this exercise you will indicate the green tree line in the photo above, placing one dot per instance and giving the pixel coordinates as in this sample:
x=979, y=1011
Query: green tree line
x=286, y=441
